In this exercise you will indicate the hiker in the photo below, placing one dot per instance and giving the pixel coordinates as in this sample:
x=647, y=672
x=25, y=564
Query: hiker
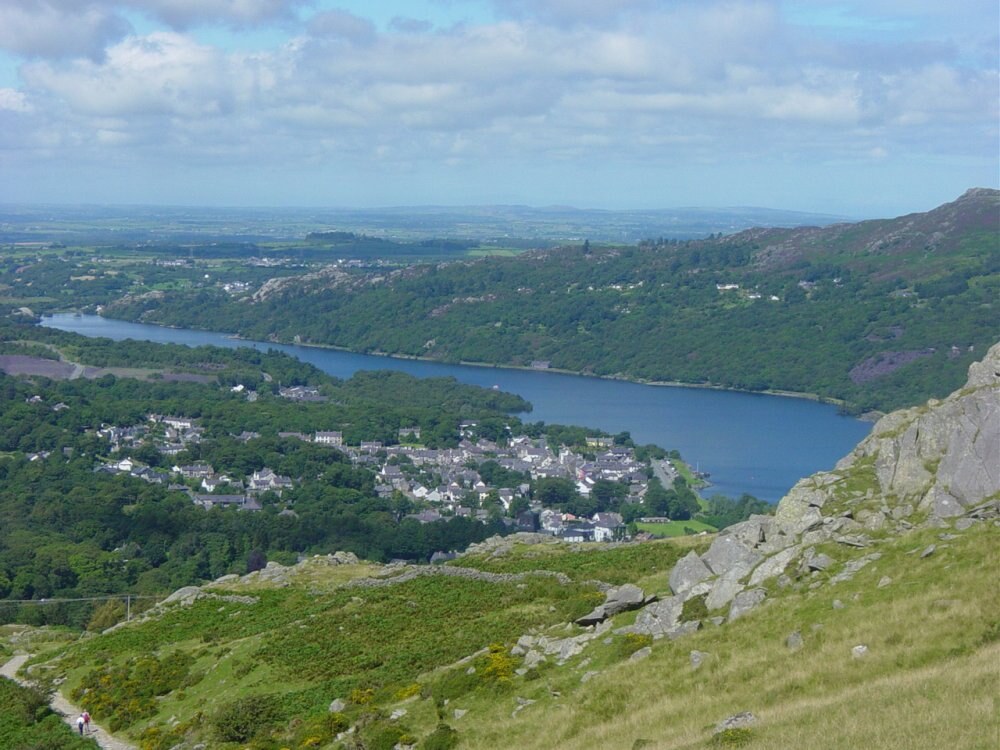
x=86, y=720
x=79, y=723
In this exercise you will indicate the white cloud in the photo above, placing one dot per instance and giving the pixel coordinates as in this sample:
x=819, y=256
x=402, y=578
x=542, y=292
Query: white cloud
x=47, y=28
x=182, y=14
x=637, y=82
x=14, y=101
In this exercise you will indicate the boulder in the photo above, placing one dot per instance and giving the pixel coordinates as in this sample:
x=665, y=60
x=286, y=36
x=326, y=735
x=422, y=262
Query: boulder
x=729, y=555
x=688, y=571
x=658, y=618
x=642, y=653
x=743, y=720
x=619, y=599
x=724, y=591
x=773, y=566
x=698, y=658
x=818, y=562
x=745, y=601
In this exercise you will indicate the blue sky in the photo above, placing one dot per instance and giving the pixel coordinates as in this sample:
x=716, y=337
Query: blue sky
x=864, y=109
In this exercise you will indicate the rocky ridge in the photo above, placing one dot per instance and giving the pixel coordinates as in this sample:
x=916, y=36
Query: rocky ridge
x=936, y=465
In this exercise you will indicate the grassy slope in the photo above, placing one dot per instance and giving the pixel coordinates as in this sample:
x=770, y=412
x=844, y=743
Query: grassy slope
x=929, y=679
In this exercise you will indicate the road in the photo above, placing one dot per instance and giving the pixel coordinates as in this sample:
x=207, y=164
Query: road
x=665, y=472
x=64, y=708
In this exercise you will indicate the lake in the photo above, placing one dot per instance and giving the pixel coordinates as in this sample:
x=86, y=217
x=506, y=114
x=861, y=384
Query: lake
x=747, y=442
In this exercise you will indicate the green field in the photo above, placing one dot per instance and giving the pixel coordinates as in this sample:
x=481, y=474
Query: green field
x=675, y=528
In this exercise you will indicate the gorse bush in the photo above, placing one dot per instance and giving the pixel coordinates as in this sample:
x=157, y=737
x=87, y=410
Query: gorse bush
x=126, y=693
x=246, y=718
x=633, y=642
x=499, y=665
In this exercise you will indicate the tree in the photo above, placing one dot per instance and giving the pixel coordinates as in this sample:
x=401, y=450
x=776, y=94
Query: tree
x=256, y=560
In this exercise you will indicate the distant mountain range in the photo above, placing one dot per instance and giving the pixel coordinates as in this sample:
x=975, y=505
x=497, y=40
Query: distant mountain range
x=486, y=224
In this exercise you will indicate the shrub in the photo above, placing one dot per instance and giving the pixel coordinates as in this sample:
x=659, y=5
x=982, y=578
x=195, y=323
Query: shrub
x=408, y=691
x=442, y=738
x=633, y=642
x=362, y=696
x=695, y=609
x=108, y=614
x=499, y=666
x=245, y=719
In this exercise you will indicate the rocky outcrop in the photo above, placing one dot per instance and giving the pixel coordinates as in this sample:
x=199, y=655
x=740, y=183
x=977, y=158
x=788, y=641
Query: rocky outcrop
x=943, y=456
x=919, y=465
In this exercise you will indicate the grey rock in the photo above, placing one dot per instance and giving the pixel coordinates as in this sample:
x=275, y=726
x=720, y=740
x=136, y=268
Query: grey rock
x=853, y=540
x=859, y=651
x=458, y=713
x=616, y=600
x=698, y=658
x=884, y=581
x=658, y=618
x=773, y=566
x=588, y=676
x=746, y=601
x=819, y=562
x=837, y=604
x=853, y=566
x=337, y=706
x=928, y=552
x=642, y=653
x=533, y=658
x=794, y=641
x=699, y=589
x=685, y=628
x=744, y=720
x=965, y=523
x=729, y=555
x=723, y=592
x=397, y=714
x=902, y=511
x=688, y=571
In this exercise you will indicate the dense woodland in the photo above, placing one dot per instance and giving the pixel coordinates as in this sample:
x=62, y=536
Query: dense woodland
x=878, y=315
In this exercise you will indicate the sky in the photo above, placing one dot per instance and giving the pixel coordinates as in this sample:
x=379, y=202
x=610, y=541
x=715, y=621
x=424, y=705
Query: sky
x=861, y=108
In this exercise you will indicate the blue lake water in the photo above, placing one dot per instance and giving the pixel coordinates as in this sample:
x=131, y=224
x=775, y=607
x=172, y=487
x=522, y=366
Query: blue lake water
x=747, y=442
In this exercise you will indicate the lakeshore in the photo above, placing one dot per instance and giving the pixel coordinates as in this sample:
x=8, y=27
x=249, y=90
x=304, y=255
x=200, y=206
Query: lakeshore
x=748, y=442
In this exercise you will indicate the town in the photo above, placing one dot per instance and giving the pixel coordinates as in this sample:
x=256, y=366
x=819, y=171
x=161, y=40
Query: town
x=431, y=484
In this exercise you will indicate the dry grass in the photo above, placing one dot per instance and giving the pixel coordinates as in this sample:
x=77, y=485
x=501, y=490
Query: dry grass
x=930, y=680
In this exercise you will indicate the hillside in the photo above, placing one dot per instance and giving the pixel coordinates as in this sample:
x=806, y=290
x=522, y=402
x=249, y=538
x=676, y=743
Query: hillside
x=863, y=613
x=878, y=314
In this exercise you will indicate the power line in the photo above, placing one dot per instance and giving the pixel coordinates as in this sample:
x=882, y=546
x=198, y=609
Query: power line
x=60, y=600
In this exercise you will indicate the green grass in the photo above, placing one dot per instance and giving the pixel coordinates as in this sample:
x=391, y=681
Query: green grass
x=676, y=528
x=929, y=679
x=611, y=564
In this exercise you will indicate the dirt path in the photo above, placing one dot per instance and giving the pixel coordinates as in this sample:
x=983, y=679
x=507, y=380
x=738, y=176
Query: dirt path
x=64, y=708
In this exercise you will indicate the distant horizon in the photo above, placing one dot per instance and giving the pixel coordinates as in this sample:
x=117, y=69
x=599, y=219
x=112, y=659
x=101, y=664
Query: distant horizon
x=455, y=207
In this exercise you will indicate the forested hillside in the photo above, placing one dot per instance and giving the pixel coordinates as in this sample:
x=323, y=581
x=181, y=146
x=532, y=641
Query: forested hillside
x=878, y=314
